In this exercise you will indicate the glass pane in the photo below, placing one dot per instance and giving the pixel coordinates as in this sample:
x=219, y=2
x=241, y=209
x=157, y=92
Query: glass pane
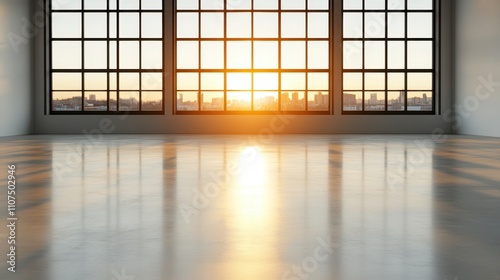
x=396, y=4
x=318, y=25
x=239, y=25
x=374, y=81
x=293, y=101
x=396, y=100
x=265, y=101
x=265, y=25
x=239, y=55
x=95, y=4
x=212, y=4
x=318, y=100
x=318, y=81
x=265, y=81
x=129, y=25
x=212, y=81
x=353, y=101
x=420, y=81
x=317, y=4
x=374, y=55
x=152, y=101
x=293, y=81
x=420, y=55
x=96, y=25
x=212, y=55
x=396, y=81
x=67, y=25
x=153, y=4
x=187, y=101
x=212, y=25
x=187, y=4
x=66, y=5
x=129, y=81
x=187, y=81
x=353, y=55
x=239, y=81
x=66, y=55
x=66, y=101
x=66, y=81
x=152, y=55
x=112, y=25
x=96, y=81
x=265, y=4
x=96, y=55
x=420, y=4
x=419, y=25
x=152, y=25
x=293, y=4
x=396, y=53
x=374, y=25
x=129, y=4
x=187, y=55
x=420, y=101
x=396, y=28
x=293, y=55
x=129, y=55
x=152, y=81
x=293, y=25
x=113, y=104
x=318, y=55
x=187, y=25
x=112, y=55
x=353, y=4
x=239, y=101
x=96, y=101
x=374, y=4
x=212, y=101
x=353, y=81
x=129, y=101
x=265, y=55
x=113, y=81
x=353, y=25
x=374, y=101
x=239, y=4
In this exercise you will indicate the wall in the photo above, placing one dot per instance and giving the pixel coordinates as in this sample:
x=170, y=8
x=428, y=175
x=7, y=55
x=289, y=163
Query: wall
x=337, y=123
x=16, y=68
x=477, y=58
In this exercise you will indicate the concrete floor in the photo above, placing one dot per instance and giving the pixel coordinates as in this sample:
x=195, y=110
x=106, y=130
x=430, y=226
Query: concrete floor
x=240, y=207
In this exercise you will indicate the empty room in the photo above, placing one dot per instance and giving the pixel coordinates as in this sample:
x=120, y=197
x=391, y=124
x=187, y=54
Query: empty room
x=249, y=139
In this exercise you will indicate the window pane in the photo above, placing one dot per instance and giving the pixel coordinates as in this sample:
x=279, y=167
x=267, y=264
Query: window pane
x=66, y=81
x=239, y=101
x=239, y=81
x=375, y=81
x=212, y=81
x=152, y=55
x=265, y=25
x=96, y=55
x=96, y=101
x=129, y=55
x=396, y=4
x=187, y=81
x=396, y=100
x=187, y=4
x=187, y=55
x=374, y=55
x=396, y=53
x=113, y=81
x=112, y=25
x=153, y=4
x=129, y=25
x=318, y=81
x=420, y=4
x=318, y=25
x=317, y=4
x=374, y=4
x=112, y=55
x=396, y=81
x=293, y=81
x=129, y=4
x=239, y=25
x=266, y=55
x=318, y=100
x=293, y=101
x=95, y=4
x=293, y=55
x=353, y=25
x=66, y=101
x=353, y=101
x=212, y=55
x=420, y=81
x=239, y=55
x=187, y=101
x=129, y=101
x=96, y=25
x=293, y=25
x=96, y=81
x=152, y=101
x=212, y=25
x=66, y=55
x=353, y=4
x=265, y=101
x=212, y=101
x=152, y=25
x=420, y=25
x=152, y=81
x=67, y=5
x=374, y=25
x=113, y=103
x=67, y=25
x=420, y=55
x=353, y=55
x=129, y=81
x=353, y=81
x=187, y=25
x=265, y=4
x=318, y=55
x=212, y=5
x=239, y=5
x=293, y=4
x=374, y=101
x=396, y=28
x=420, y=101
x=266, y=81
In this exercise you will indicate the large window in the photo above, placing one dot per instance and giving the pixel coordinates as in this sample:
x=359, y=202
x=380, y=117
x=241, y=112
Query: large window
x=106, y=56
x=253, y=56
x=389, y=56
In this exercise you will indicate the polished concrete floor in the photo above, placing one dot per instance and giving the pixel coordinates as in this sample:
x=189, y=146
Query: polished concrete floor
x=242, y=207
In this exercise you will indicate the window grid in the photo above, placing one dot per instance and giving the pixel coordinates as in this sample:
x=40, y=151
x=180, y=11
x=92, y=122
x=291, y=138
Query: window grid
x=253, y=71
x=145, y=98
x=426, y=107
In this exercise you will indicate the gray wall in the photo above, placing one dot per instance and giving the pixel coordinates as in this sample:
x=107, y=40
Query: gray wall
x=477, y=58
x=16, y=69
x=170, y=123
